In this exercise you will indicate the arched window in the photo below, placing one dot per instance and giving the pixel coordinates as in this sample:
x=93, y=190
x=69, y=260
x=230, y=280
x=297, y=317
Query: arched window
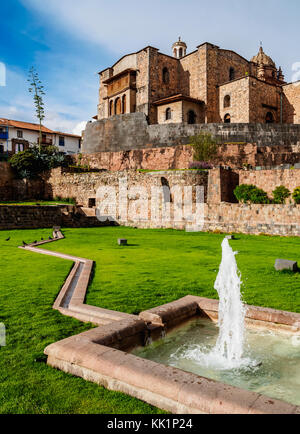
x=227, y=119
x=166, y=76
x=168, y=114
x=191, y=117
x=180, y=52
x=124, y=104
x=227, y=101
x=231, y=73
x=117, y=106
x=269, y=118
x=111, y=108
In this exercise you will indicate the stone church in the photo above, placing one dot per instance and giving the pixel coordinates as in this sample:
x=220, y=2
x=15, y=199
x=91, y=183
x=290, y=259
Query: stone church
x=208, y=85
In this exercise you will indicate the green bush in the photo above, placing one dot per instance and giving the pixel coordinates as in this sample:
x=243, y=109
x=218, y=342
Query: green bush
x=251, y=194
x=29, y=163
x=205, y=147
x=296, y=195
x=280, y=194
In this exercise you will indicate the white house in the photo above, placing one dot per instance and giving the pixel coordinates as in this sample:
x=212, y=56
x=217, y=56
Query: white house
x=16, y=136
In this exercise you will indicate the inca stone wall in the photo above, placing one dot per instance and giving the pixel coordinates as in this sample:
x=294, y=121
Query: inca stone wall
x=84, y=186
x=131, y=131
x=35, y=217
x=268, y=180
x=30, y=217
x=253, y=219
x=219, y=211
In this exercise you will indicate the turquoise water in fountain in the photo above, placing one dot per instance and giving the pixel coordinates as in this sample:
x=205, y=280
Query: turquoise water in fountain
x=275, y=357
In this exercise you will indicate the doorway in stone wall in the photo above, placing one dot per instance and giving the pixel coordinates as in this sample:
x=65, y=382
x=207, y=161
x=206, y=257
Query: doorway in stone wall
x=191, y=117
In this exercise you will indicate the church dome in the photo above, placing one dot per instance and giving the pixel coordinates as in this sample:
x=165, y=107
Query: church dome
x=179, y=48
x=179, y=43
x=262, y=59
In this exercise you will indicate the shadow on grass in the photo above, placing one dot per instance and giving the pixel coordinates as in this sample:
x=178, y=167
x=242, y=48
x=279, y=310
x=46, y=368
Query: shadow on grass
x=289, y=272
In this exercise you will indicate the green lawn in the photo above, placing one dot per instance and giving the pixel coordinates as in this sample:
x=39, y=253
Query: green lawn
x=158, y=266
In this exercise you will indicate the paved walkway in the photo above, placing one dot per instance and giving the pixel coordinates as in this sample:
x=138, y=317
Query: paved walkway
x=71, y=298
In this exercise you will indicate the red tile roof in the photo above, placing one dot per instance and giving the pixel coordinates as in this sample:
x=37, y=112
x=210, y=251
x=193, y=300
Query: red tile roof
x=23, y=125
x=32, y=127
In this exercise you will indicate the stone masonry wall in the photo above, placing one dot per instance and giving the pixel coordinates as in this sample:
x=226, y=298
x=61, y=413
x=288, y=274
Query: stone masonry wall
x=235, y=155
x=218, y=185
x=18, y=189
x=253, y=219
x=35, y=217
x=84, y=186
x=6, y=179
x=291, y=103
x=131, y=131
x=268, y=180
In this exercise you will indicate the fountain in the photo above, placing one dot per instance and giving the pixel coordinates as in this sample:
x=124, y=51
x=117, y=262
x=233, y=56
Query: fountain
x=197, y=367
x=229, y=348
x=255, y=359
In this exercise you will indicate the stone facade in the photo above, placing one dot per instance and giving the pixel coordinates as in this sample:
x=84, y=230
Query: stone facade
x=291, y=102
x=147, y=78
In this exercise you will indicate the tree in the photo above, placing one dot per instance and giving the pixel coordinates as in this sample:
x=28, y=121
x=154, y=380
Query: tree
x=37, y=89
x=33, y=161
x=205, y=147
x=296, y=195
x=280, y=194
x=251, y=194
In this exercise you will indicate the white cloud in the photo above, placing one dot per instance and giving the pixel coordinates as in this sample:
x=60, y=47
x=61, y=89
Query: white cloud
x=122, y=27
x=79, y=128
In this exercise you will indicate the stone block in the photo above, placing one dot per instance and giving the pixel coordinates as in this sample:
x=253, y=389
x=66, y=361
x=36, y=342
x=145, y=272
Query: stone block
x=284, y=264
x=122, y=242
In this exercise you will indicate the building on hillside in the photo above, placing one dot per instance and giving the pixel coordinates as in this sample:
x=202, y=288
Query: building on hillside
x=16, y=136
x=208, y=85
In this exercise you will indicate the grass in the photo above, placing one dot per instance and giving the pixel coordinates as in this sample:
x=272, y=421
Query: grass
x=157, y=267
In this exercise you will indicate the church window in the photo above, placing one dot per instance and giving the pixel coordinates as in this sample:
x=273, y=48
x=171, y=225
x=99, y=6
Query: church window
x=166, y=76
x=227, y=101
x=111, y=108
x=168, y=114
x=118, y=106
x=227, y=119
x=231, y=73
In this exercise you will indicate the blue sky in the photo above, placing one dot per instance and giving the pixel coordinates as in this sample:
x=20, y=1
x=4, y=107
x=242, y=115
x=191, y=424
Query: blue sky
x=69, y=41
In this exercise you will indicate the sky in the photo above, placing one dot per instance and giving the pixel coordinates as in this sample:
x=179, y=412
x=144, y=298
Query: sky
x=70, y=41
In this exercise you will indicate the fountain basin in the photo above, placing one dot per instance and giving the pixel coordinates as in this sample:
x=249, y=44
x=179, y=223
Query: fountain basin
x=104, y=355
